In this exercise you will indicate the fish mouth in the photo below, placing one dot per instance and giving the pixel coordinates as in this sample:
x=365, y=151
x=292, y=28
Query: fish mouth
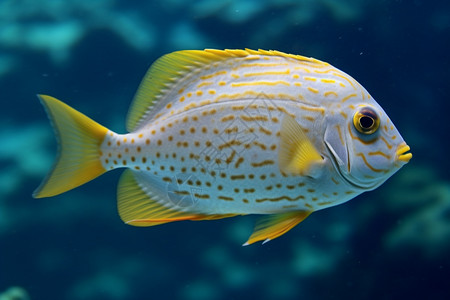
x=402, y=153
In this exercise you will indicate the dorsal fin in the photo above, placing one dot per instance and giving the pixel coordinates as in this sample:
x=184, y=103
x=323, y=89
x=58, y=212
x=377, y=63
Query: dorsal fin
x=170, y=68
x=165, y=71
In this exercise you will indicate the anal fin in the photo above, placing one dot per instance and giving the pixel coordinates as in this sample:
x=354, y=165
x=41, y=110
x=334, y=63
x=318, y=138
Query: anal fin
x=140, y=204
x=270, y=227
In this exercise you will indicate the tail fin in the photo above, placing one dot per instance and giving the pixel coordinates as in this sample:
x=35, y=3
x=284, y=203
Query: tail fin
x=79, y=140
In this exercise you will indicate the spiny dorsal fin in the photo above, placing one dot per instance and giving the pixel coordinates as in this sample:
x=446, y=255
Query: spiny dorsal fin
x=145, y=208
x=174, y=66
x=270, y=227
x=297, y=154
x=165, y=71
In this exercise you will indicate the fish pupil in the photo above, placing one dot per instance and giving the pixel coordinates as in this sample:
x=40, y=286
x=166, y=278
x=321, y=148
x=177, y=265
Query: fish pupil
x=366, y=122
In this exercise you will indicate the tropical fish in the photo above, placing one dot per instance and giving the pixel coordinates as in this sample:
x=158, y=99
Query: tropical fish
x=220, y=133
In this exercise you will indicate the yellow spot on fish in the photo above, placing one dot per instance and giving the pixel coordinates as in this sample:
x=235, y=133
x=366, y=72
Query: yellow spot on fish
x=237, y=107
x=267, y=73
x=263, y=163
x=386, y=142
x=253, y=118
x=261, y=83
x=260, y=145
x=213, y=75
x=313, y=90
x=238, y=162
x=380, y=153
x=348, y=97
x=330, y=93
x=367, y=163
x=227, y=118
x=237, y=177
x=276, y=199
x=205, y=83
x=265, y=131
x=229, y=144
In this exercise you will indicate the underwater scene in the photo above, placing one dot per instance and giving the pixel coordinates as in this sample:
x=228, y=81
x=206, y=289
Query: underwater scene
x=392, y=242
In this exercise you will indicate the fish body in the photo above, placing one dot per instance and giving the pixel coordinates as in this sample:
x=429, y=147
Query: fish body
x=216, y=133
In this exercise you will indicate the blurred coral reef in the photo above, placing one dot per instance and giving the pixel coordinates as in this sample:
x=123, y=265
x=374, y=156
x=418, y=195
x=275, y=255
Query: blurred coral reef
x=14, y=293
x=423, y=210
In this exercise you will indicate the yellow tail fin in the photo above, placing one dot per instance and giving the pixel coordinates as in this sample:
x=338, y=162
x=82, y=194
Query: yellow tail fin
x=79, y=140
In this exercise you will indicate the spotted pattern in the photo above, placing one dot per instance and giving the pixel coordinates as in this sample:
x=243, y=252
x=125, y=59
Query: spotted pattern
x=221, y=126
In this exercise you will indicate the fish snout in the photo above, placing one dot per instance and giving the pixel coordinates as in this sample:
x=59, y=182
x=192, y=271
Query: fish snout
x=403, y=154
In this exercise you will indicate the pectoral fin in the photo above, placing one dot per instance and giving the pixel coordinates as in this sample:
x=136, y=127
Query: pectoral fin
x=297, y=154
x=270, y=227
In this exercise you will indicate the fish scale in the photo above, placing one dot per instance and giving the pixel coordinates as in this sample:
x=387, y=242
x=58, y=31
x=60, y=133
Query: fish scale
x=215, y=134
x=251, y=148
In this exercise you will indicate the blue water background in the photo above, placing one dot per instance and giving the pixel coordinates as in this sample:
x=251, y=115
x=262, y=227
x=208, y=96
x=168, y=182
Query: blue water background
x=391, y=243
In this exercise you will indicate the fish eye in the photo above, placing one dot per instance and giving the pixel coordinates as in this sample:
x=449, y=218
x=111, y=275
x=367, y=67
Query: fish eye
x=366, y=120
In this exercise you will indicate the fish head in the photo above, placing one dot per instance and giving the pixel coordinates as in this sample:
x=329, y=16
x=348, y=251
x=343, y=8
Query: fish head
x=364, y=145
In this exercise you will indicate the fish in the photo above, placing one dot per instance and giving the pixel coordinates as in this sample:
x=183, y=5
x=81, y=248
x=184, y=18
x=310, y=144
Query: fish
x=214, y=134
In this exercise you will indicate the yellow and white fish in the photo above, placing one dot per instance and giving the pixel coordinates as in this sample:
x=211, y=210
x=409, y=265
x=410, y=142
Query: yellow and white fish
x=215, y=134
